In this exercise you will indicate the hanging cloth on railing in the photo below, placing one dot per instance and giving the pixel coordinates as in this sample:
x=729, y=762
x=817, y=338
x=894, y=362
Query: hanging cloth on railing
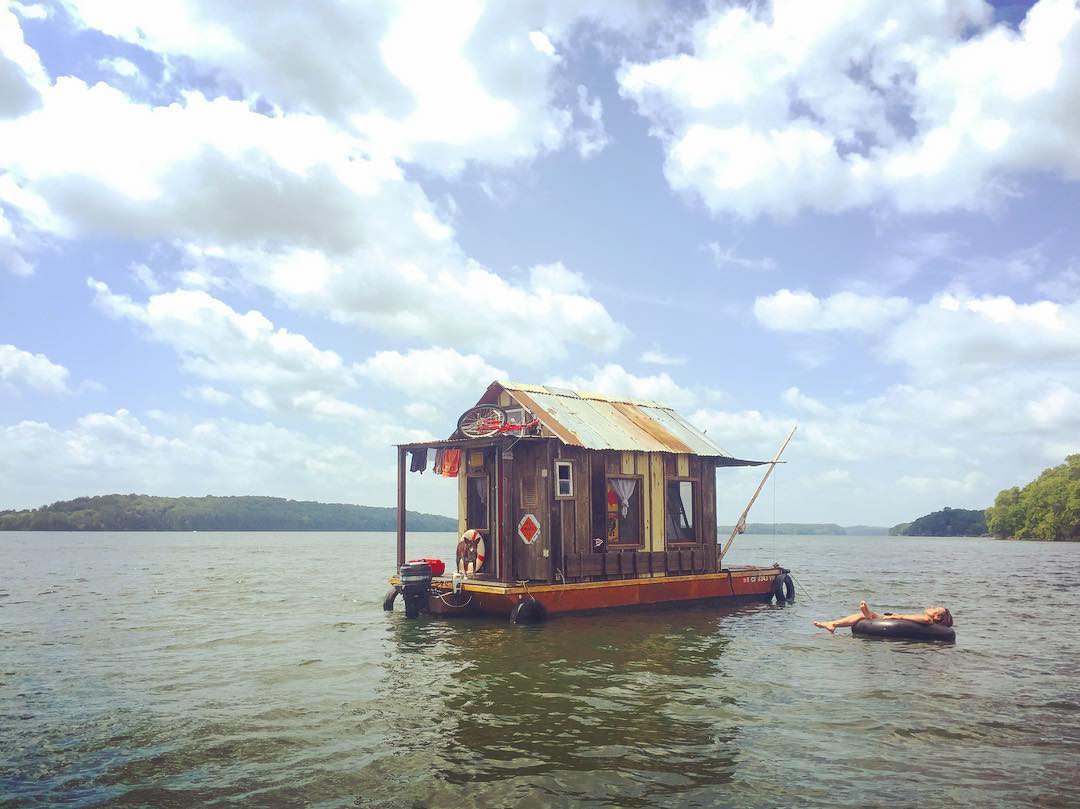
x=419, y=460
x=437, y=464
x=451, y=462
x=624, y=487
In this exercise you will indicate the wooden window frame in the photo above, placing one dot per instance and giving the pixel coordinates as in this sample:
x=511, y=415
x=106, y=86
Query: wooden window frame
x=641, y=511
x=570, y=465
x=468, y=484
x=697, y=506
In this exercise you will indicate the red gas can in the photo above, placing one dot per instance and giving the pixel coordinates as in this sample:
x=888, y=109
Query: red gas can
x=438, y=566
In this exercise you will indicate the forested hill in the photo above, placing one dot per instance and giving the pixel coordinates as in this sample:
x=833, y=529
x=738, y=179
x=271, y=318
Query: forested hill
x=141, y=512
x=949, y=522
x=1047, y=508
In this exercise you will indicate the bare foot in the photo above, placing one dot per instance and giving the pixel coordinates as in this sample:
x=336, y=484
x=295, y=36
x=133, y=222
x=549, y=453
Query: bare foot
x=865, y=610
x=825, y=625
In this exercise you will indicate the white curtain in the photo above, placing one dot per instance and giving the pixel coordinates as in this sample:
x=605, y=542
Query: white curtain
x=481, y=490
x=625, y=489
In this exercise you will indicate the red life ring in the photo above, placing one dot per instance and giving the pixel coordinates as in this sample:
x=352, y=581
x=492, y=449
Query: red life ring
x=471, y=550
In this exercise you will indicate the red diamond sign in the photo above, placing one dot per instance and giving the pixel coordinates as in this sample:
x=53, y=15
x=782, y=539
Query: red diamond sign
x=529, y=529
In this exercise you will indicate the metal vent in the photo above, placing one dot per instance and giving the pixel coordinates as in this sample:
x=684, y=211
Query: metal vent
x=529, y=498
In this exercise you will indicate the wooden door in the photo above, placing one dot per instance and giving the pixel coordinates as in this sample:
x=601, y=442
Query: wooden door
x=530, y=495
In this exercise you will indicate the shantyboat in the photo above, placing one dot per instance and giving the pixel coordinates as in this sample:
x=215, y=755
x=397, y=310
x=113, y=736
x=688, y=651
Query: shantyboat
x=571, y=501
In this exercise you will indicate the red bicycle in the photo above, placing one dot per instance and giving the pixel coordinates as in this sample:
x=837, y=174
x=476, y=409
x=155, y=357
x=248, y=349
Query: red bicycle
x=486, y=420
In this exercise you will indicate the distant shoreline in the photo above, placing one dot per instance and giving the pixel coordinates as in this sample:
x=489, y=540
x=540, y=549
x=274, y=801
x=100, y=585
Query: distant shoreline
x=142, y=512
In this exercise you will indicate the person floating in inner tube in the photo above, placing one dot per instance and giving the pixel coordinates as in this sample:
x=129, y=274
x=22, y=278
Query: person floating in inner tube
x=933, y=615
x=470, y=553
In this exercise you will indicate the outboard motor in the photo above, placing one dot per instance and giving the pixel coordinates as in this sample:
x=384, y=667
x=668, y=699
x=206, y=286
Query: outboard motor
x=415, y=582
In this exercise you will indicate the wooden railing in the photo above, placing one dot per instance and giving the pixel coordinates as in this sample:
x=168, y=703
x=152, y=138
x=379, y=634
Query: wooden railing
x=631, y=564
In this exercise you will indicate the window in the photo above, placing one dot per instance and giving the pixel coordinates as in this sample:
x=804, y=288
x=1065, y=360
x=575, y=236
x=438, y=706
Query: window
x=681, y=522
x=624, y=511
x=564, y=479
x=476, y=502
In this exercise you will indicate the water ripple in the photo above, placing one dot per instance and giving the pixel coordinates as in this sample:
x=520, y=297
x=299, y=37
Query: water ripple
x=256, y=669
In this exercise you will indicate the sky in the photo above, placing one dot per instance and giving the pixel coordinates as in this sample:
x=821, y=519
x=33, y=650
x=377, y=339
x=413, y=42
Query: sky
x=246, y=248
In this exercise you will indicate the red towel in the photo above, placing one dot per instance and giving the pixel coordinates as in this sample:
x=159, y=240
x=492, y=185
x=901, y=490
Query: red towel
x=451, y=463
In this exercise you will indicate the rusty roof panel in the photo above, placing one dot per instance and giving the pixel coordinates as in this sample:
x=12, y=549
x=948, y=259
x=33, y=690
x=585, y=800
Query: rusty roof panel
x=593, y=421
x=617, y=431
x=654, y=428
x=548, y=420
x=699, y=443
x=574, y=415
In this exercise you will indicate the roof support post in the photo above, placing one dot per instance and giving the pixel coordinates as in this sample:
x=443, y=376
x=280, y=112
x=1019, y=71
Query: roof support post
x=400, y=506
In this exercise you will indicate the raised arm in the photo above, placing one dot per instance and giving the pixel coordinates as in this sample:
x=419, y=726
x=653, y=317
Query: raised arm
x=921, y=618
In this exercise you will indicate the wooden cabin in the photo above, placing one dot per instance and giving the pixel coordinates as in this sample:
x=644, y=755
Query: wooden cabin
x=579, y=487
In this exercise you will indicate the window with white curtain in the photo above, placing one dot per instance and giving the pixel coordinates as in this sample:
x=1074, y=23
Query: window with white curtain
x=624, y=511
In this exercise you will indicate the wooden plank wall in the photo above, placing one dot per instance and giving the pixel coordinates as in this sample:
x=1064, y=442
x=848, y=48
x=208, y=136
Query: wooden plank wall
x=462, y=494
x=708, y=512
x=656, y=502
x=533, y=462
x=634, y=564
x=579, y=562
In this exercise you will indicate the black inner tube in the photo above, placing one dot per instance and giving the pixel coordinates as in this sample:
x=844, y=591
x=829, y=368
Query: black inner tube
x=908, y=630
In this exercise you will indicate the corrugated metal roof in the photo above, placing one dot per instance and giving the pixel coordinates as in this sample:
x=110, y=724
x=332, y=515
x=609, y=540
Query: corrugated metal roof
x=594, y=421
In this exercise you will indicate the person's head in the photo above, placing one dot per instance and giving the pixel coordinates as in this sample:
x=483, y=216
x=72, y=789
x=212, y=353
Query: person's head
x=940, y=615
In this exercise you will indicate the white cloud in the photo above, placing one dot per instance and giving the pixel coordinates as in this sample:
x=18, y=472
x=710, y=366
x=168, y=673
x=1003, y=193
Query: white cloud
x=422, y=411
x=210, y=395
x=11, y=258
x=216, y=342
x=541, y=42
x=439, y=84
x=1065, y=285
x=592, y=138
x=956, y=335
x=122, y=67
x=430, y=371
x=789, y=105
x=725, y=257
x=105, y=453
x=943, y=487
x=614, y=380
x=803, y=311
x=288, y=202
x=18, y=367
x=832, y=477
x=655, y=356
x=22, y=77
x=797, y=400
x=145, y=276
x=276, y=370
x=31, y=11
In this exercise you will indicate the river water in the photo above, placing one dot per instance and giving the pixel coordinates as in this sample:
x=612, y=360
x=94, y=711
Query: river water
x=248, y=669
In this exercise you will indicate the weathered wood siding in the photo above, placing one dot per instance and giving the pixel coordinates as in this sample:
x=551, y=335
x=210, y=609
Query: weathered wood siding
x=573, y=514
x=583, y=518
x=462, y=504
x=532, y=493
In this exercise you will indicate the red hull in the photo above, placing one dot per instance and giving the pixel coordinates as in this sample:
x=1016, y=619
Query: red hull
x=498, y=598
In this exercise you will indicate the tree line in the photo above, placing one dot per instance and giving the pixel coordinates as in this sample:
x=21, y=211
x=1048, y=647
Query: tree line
x=141, y=512
x=1047, y=508
x=949, y=522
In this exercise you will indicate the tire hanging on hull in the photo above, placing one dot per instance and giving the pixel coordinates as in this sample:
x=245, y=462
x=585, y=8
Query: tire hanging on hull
x=529, y=611
x=783, y=589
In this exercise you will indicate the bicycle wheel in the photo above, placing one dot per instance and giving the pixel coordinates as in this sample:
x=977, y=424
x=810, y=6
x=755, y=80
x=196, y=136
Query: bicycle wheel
x=481, y=421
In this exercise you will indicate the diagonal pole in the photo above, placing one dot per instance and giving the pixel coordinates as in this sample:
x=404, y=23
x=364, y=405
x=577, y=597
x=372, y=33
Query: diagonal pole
x=741, y=524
